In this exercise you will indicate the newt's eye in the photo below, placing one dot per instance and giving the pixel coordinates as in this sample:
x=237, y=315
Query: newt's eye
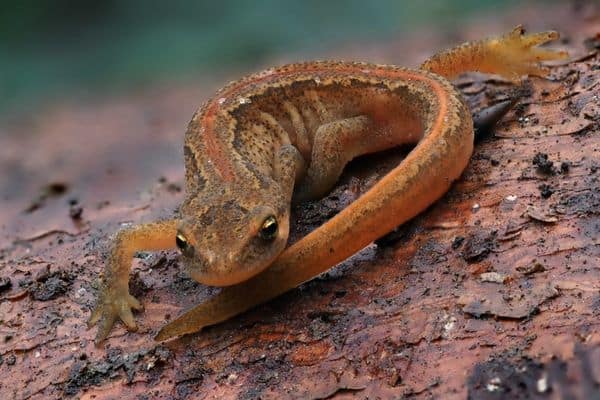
x=181, y=242
x=183, y=245
x=268, y=230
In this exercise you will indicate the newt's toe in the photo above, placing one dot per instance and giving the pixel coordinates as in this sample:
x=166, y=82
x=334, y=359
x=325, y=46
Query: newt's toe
x=94, y=317
x=127, y=318
x=540, y=55
x=106, y=324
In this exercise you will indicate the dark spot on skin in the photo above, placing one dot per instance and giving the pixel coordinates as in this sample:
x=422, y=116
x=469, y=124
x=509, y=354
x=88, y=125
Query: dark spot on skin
x=230, y=205
x=209, y=216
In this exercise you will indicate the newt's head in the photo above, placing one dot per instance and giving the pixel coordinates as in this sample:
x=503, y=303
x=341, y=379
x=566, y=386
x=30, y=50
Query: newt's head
x=227, y=237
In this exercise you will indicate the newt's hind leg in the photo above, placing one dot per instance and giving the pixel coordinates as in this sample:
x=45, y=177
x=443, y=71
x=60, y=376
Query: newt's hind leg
x=512, y=55
x=333, y=147
x=338, y=142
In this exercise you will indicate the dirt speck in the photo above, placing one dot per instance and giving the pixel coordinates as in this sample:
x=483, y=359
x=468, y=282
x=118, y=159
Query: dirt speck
x=75, y=212
x=86, y=373
x=54, y=189
x=5, y=284
x=137, y=286
x=50, y=285
x=478, y=246
x=457, y=242
x=543, y=164
x=533, y=268
x=545, y=190
x=11, y=360
x=514, y=375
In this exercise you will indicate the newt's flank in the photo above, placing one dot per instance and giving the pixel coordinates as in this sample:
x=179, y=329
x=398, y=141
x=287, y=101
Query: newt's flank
x=284, y=135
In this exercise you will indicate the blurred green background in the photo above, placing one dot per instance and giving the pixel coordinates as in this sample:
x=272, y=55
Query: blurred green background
x=52, y=49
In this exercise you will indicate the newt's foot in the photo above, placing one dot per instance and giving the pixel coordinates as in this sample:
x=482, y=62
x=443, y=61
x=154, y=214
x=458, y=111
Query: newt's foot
x=520, y=55
x=113, y=304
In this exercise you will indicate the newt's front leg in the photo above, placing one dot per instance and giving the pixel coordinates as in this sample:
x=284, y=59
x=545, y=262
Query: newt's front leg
x=114, y=300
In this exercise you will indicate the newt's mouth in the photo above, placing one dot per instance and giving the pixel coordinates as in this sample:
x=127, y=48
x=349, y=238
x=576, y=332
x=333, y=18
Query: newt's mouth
x=221, y=274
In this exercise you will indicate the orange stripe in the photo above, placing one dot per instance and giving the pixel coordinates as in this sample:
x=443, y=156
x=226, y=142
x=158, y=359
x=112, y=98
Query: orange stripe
x=214, y=149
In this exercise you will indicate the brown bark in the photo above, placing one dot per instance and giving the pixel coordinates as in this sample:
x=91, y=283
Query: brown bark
x=494, y=290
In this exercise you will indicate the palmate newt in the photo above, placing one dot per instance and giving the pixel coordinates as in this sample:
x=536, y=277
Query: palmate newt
x=284, y=135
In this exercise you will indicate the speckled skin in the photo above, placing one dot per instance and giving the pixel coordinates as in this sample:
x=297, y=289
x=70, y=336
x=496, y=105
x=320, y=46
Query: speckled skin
x=284, y=135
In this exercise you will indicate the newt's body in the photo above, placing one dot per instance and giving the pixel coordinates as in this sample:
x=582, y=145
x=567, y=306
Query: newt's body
x=285, y=135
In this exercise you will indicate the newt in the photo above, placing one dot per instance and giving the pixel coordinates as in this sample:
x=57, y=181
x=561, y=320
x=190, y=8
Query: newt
x=283, y=136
